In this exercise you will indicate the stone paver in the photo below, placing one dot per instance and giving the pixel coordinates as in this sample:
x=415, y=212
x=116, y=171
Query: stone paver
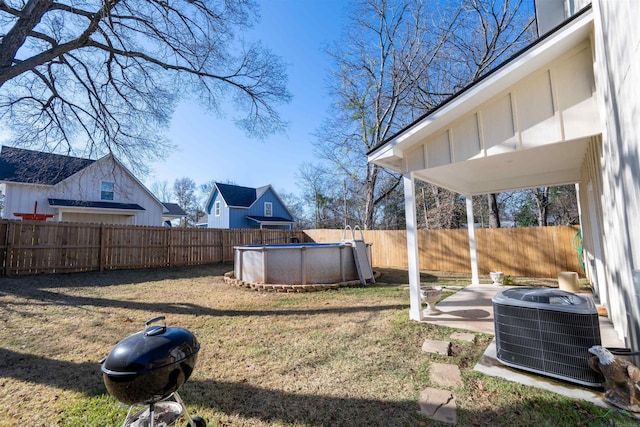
x=438, y=347
x=463, y=336
x=438, y=405
x=445, y=375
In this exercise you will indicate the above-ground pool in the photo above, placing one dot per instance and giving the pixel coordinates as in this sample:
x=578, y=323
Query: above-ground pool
x=295, y=264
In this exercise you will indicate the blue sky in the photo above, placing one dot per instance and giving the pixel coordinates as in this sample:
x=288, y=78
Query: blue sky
x=212, y=148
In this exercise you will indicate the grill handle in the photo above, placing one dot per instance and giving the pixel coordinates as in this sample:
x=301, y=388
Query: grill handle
x=155, y=330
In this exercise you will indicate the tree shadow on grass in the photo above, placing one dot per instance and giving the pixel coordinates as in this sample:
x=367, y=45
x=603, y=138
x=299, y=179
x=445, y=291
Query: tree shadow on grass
x=44, y=290
x=247, y=401
x=231, y=398
x=113, y=277
x=188, y=308
x=84, y=377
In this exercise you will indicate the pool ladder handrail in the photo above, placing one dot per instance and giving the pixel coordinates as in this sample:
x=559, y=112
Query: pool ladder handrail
x=353, y=236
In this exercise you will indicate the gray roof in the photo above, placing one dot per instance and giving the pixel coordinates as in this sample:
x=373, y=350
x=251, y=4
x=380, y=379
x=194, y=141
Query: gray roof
x=35, y=167
x=236, y=195
x=173, y=209
x=95, y=205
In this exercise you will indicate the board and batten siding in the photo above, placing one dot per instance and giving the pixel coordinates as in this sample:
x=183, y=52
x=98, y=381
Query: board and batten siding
x=85, y=185
x=237, y=217
x=554, y=104
x=221, y=221
x=20, y=198
x=278, y=209
x=610, y=193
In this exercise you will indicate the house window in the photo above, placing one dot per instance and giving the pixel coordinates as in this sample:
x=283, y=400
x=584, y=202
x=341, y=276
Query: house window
x=268, y=209
x=217, y=208
x=106, y=190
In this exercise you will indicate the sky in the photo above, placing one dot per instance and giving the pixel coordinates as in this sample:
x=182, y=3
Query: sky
x=212, y=148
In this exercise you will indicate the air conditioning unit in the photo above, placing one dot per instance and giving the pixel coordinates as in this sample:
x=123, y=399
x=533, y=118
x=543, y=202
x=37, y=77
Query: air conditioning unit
x=547, y=331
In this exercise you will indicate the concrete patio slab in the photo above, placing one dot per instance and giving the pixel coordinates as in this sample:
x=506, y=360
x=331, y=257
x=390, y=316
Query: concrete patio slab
x=470, y=308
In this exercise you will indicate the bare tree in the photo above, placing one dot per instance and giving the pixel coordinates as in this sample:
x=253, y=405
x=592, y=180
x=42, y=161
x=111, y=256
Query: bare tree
x=162, y=190
x=563, y=205
x=382, y=59
x=541, y=197
x=321, y=193
x=295, y=205
x=400, y=59
x=104, y=76
x=184, y=190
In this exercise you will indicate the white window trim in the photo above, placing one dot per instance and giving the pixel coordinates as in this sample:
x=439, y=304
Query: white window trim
x=270, y=209
x=112, y=191
x=216, y=208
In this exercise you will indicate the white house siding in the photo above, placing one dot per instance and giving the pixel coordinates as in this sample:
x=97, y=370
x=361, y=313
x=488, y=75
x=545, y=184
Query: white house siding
x=617, y=69
x=20, y=198
x=85, y=185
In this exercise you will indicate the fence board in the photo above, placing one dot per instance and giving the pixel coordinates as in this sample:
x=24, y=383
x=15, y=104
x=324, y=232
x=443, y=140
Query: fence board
x=531, y=251
x=28, y=247
x=31, y=247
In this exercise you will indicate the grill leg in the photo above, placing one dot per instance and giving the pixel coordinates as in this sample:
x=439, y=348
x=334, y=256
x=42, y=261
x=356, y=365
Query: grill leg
x=126, y=420
x=151, y=406
x=178, y=399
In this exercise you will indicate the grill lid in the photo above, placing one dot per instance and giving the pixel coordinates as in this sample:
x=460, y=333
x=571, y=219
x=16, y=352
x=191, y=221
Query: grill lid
x=153, y=348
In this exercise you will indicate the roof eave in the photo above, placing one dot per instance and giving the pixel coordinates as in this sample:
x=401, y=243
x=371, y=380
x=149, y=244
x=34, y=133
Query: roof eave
x=390, y=153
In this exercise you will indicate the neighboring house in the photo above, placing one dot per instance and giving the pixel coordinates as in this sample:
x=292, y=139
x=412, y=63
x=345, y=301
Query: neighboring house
x=73, y=189
x=172, y=211
x=565, y=110
x=233, y=206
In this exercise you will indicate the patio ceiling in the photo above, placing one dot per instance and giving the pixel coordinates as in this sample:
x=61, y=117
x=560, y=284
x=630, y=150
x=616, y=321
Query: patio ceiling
x=525, y=125
x=555, y=164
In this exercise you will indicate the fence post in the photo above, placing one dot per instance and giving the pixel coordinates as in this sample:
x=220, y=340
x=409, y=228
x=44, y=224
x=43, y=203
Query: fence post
x=101, y=253
x=169, y=240
x=7, y=261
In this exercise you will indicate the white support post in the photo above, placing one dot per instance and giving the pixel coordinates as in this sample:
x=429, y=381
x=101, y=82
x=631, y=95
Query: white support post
x=415, y=307
x=475, y=279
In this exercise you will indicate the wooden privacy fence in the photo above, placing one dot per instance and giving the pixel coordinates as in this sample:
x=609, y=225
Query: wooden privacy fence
x=531, y=251
x=30, y=247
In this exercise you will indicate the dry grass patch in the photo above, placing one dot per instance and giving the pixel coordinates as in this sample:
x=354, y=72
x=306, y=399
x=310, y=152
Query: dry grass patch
x=348, y=357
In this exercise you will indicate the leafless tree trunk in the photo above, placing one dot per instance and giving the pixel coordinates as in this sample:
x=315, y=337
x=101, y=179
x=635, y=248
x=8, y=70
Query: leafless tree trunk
x=542, y=203
x=494, y=211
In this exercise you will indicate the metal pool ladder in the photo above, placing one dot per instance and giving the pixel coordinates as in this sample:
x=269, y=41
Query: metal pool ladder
x=360, y=254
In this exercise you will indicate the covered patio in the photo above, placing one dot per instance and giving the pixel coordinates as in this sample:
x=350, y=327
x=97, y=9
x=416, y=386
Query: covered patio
x=529, y=123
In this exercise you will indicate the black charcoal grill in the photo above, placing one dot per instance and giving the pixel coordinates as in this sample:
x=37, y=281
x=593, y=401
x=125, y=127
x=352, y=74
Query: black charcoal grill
x=147, y=368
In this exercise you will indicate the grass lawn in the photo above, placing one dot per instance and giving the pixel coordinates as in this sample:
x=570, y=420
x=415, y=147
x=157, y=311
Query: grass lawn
x=349, y=357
